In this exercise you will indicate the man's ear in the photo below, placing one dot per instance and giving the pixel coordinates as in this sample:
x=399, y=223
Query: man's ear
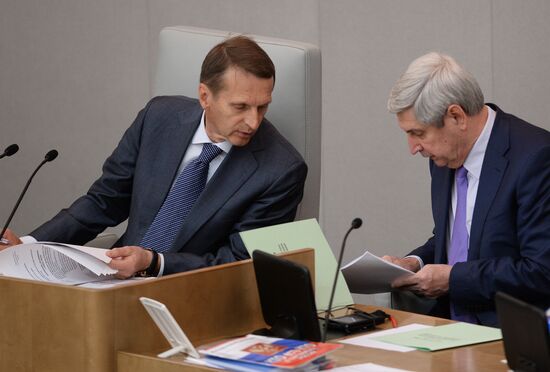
x=458, y=115
x=205, y=95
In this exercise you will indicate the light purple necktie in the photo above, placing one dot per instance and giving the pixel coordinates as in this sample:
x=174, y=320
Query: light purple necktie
x=458, y=251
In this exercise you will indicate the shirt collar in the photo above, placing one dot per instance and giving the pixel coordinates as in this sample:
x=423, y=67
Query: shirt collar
x=474, y=161
x=200, y=137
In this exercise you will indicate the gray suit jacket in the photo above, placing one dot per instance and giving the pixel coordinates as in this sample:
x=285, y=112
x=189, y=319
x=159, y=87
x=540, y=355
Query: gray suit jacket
x=256, y=185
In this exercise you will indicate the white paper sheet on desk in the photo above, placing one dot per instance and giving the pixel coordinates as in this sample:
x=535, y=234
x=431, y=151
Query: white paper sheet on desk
x=367, y=341
x=368, y=367
x=369, y=274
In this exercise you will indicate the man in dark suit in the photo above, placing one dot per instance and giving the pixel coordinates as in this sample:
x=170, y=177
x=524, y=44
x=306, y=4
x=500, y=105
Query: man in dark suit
x=490, y=194
x=189, y=175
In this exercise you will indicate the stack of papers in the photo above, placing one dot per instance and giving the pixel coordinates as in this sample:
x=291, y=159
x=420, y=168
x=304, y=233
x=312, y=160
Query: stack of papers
x=371, y=339
x=427, y=338
x=369, y=274
x=444, y=337
x=56, y=263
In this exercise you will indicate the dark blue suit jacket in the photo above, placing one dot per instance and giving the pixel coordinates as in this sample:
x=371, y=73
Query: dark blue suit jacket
x=256, y=185
x=510, y=233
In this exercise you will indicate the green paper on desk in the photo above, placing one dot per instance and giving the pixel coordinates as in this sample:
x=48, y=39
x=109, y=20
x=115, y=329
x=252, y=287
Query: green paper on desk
x=297, y=235
x=444, y=337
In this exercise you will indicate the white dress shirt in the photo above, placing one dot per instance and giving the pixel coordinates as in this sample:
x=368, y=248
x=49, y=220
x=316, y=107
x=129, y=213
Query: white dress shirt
x=473, y=164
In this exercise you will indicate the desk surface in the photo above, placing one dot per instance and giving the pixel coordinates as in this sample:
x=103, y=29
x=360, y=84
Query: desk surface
x=481, y=357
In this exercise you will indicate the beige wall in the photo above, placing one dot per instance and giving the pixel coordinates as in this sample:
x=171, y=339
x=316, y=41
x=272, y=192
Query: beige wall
x=74, y=73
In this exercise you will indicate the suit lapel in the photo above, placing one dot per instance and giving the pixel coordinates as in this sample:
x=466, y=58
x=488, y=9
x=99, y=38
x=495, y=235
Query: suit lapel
x=492, y=171
x=177, y=136
x=443, y=179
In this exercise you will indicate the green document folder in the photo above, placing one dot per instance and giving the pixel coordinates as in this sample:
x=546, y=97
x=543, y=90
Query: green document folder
x=298, y=235
x=444, y=337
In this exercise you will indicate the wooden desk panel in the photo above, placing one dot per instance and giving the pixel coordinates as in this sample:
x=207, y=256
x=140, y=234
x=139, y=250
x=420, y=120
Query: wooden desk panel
x=482, y=357
x=51, y=328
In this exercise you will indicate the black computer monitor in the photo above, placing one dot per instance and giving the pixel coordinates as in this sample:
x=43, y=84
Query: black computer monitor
x=525, y=334
x=287, y=297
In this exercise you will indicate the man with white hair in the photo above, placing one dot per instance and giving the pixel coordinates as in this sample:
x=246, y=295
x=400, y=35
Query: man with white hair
x=490, y=194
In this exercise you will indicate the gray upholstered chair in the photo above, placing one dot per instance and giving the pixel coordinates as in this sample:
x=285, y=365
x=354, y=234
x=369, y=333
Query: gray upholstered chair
x=296, y=106
x=103, y=240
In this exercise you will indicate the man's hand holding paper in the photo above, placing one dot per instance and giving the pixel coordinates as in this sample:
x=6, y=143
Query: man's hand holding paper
x=431, y=281
x=408, y=263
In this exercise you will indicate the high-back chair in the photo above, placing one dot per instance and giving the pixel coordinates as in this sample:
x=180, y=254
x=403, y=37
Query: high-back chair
x=296, y=106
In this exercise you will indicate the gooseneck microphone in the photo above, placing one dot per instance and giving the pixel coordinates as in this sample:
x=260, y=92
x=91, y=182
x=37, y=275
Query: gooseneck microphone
x=355, y=224
x=51, y=155
x=10, y=150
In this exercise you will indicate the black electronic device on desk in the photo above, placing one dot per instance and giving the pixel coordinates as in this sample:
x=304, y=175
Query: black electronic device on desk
x=524, y=333
x=288, y=303
x=286, y=297
x=358, y=321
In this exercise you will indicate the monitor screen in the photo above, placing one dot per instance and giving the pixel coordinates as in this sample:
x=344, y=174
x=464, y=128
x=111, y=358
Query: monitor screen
x=287, y=297
x=525, y=334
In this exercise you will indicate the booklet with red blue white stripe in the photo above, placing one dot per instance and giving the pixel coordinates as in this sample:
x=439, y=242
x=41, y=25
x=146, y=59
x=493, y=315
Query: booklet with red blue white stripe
x=253, y=352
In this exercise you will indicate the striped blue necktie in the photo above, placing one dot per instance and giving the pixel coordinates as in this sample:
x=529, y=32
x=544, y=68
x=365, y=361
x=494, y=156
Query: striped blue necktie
x=181, y=198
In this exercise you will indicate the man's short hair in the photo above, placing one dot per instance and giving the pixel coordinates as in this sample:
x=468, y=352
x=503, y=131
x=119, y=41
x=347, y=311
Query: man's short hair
x=431, y=84
x=238, y=51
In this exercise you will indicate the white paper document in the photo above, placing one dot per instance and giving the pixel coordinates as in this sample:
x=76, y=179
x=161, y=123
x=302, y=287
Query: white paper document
x=368, y=339
x=368, y=367
x=55, y=263
x=369, y=274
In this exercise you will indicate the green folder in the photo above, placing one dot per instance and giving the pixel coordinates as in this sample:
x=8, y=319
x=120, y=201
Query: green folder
x=297, y=235
x=444, y=337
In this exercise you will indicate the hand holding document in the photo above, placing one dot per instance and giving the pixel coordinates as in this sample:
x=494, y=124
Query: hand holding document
x=370, y=274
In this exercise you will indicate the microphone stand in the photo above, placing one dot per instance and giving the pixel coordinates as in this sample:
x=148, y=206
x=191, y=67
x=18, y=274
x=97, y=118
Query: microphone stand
x=355, y=224
x=51, y=155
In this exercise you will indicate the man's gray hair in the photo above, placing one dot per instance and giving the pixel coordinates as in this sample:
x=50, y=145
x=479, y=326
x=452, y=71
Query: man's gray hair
x=430, y=85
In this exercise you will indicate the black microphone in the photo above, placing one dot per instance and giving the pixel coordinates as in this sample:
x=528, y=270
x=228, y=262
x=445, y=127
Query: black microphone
x=51, y=155
x=355, y=224
x=10, y=150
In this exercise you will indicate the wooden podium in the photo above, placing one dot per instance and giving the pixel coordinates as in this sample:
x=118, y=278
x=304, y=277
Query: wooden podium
x=48, y=327
x=486, y=357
